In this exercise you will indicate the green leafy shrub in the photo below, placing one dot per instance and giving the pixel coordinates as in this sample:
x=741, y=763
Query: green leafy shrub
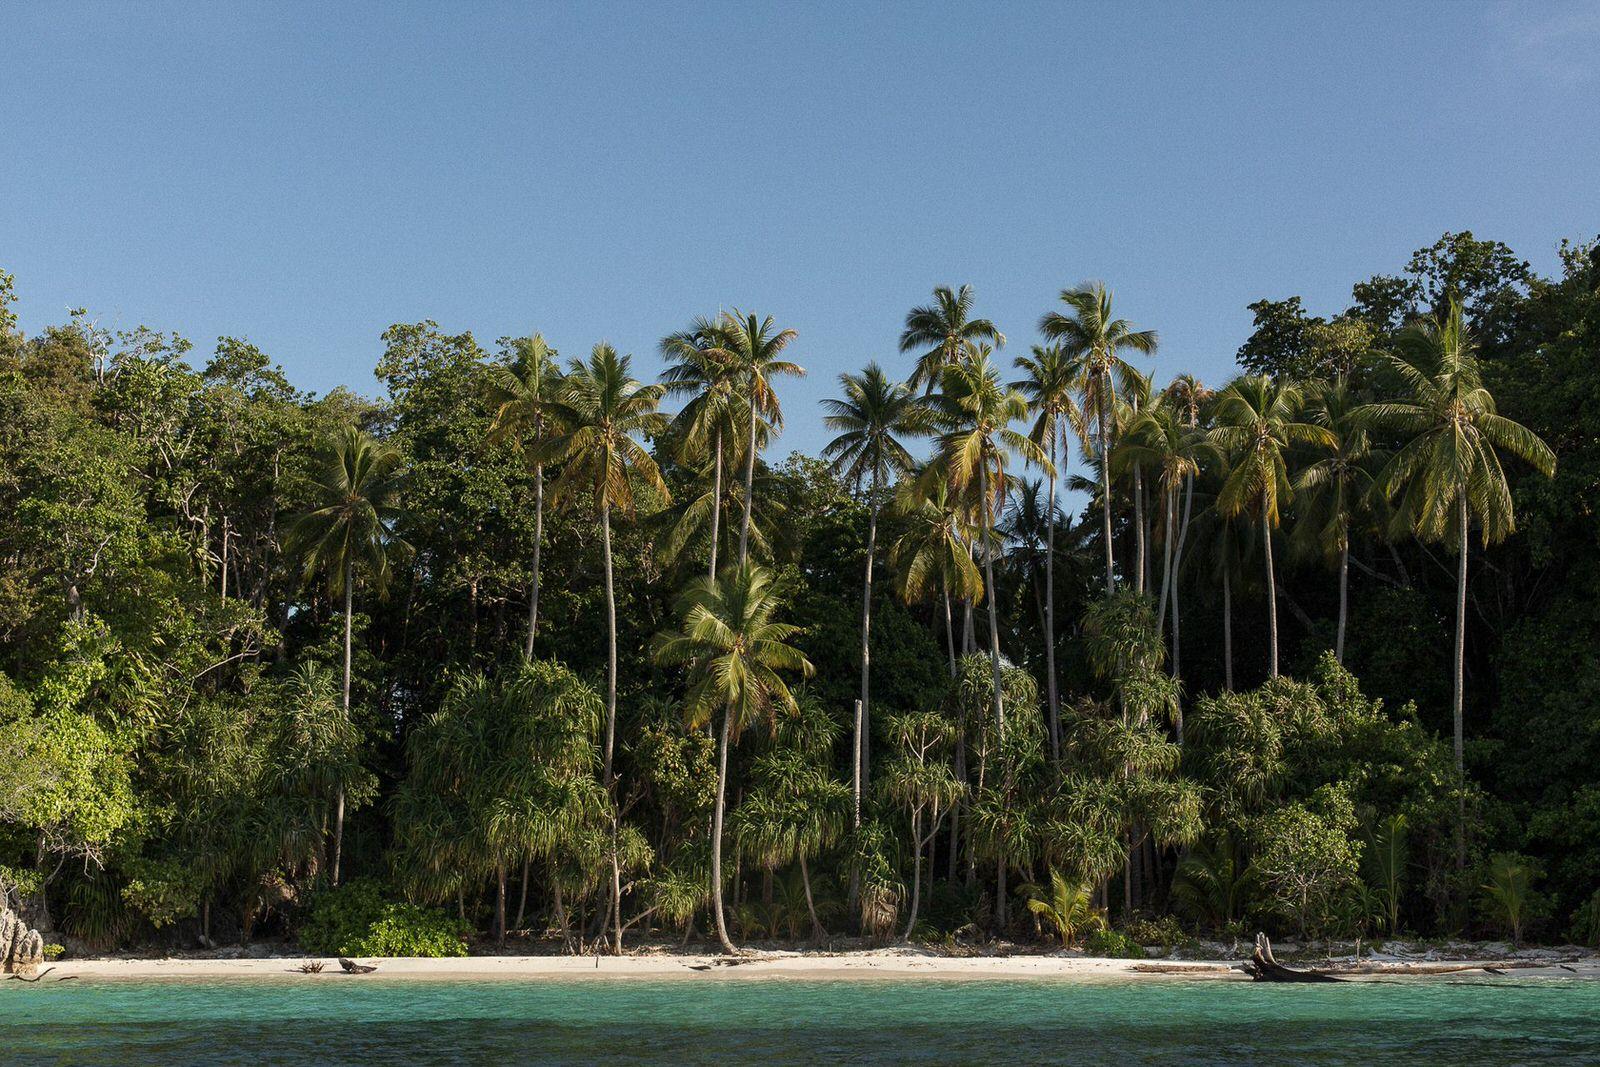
x=1586, y=922
x=1113, y=944
x=358, y=920
x=162, y=891
x=1164, y=930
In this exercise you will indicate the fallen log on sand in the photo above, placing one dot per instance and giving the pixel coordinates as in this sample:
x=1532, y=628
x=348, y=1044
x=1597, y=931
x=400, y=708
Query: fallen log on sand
x=1263, y=968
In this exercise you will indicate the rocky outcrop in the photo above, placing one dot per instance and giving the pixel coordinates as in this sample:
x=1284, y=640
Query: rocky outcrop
x=21, y=949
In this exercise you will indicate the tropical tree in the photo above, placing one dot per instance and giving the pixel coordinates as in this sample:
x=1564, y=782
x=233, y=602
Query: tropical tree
x=1068, y=907
x=753, y=346
x=1049, y=383
x=1448, y=473
x=932, y=556
x=705, y=373
x=921, y=780
x=948, y=332
x=1334, y=491
x=734, y=649
x=1257, y=423
x=1094, y=341
x=352, y=522
x=974, y=452
x=870, y=420
x=522, y=387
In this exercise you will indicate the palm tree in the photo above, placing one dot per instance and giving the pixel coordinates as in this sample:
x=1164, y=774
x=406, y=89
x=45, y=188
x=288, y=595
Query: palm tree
x=949, y=333
x=1094, y=340
x=705, y=373
x=602, y=407
x=1049, y=384
x=734, y=650
x=932, y=556
x=1068, y=908
x=521, y=389
x=1448, y=472
x=752, y=345
x=357, y=494
x=1333, y=490
x=874, y=414
x=974, y=451
x=1190, y=397
x=1256, y=423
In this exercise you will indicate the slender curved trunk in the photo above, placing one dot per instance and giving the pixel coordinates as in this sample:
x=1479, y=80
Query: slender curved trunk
x=817, y=932
x=1050, y=611
x=522, y=896
x=1272, y=594
x=1344, y=597
x=500, y=903
x=611, y=639
x=916, y=871
x=1227, y=626
x=1105, y=494
x=538, y=539
x=855, y=768
x=1138, y=532
x=864, y=713
x=949, y=629
x=1460, y=680
x=1168, y=521
x=716, y=503
x=338, y=799
x=749, y=482
x=988, y=594
x=1177, y=566
x=716, y=835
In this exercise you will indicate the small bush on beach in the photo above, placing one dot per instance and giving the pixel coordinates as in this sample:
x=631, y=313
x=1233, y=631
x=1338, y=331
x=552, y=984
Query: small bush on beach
x=358, y=920
x=1113, y=944
x=1586, y=922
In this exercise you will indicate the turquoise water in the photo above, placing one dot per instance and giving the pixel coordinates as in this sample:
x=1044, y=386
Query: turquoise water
x=371, y=1020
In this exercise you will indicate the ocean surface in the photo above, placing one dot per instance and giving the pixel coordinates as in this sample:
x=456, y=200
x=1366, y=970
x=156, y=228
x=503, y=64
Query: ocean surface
x=335, y=1019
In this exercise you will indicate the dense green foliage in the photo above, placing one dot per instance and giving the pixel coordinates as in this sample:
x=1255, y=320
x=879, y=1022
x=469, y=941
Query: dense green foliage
x=551, y=661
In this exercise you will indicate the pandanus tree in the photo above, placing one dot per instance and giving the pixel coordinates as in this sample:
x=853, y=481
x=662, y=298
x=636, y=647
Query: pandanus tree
x=931, y=557
x=356, y=502
x=1257, y=424
x=1334, y=490
x=754, y=346
x=1050, y=384
x=921, y=780
x=870, y=420
x=735, y=650
x=947, y=332
x=522, y=388
x=973, y=453
x=1447, y=475
x=1094, y=341
x=603, y=408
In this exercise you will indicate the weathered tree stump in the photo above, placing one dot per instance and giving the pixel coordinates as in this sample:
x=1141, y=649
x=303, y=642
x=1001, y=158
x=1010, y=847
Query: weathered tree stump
x=1264, y=968
x=21, y=949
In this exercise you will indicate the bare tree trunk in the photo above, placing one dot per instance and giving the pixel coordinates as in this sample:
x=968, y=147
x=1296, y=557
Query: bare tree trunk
x=716, y=503
x=749, y=483
x=916, y=869
x=1138, y=531
x=338, y=799
x=500, y=904
x=855, y=768
x=1168, y=520
x=817, y=932
x=949, y=630
x=538, y=538
x=1460, y=681
x=1105, y=493
x=1227, y=626
x=1344, y=598
x=988, y=595
x=864, y=708
x=1050, y=611
x=611, y=635
x=716, y=835
x=1272, y=593
x=522, y=898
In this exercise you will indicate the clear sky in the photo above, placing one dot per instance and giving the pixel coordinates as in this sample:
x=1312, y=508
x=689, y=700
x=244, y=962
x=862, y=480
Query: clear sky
x=304, y=175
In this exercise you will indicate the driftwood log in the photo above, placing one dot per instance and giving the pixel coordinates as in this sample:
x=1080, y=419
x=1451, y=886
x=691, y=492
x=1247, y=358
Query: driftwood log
x=1264, y=968
x=352, y=967
x=21, y=949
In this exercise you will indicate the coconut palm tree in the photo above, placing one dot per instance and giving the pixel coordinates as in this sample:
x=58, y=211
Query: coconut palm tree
x=1334, y=489
x=752, y=345
x=949, y=333
x=1256, y=424
x=357, y=502
x=1050, y=386
x=699, y=369
x=1448, y=474
x=1190, y=398
x=870, y=420
x=931, y=556
x=735, y=650
x=1094, y=340
x=974, y=452
x=521, y=388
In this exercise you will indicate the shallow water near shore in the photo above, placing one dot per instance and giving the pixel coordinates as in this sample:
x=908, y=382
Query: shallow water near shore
x=372, y=1020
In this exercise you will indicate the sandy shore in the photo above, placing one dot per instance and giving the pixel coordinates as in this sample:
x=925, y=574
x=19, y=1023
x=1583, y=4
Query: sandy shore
x=883, y=963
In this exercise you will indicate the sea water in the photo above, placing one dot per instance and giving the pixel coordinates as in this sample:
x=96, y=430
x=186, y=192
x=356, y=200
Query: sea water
x=369, y=1019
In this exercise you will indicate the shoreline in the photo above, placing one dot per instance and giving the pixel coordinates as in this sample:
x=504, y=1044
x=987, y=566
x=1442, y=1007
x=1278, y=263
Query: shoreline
x=868, y=965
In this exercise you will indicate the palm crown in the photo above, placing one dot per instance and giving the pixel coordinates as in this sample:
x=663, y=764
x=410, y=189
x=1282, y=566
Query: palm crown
x=949, y=333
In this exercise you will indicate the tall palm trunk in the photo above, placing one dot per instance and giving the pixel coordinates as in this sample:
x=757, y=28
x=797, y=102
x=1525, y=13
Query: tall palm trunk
x=988, y=594
x=500, y=904
x=817, y=932
x=1272, y=593
x=716, y=503
x=611, y=719
x=1105, y=493
x=864, y=715
x=1460, y=678
x=749, y=482
x=338, y=800
x=1227, y=625
x=716, y=835
x=1138, y=532
x=538, y=539
x=1344, y=597
x=1168, y=521
x=949, y=628
x=855, y=773
x=1050, y=610
x=1177, y=566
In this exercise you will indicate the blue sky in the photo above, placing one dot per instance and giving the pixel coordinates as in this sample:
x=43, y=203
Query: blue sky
x=305, y=175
